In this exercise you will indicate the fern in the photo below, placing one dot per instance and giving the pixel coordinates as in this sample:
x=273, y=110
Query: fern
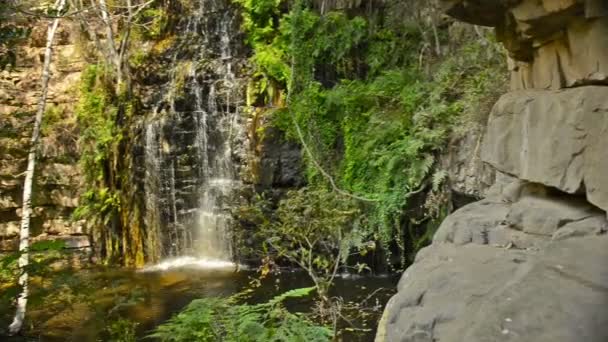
x=223, y=319
x=438, y=178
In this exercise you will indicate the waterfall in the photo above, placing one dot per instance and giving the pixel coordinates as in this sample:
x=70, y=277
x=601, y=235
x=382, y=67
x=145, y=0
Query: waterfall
x=191, y=172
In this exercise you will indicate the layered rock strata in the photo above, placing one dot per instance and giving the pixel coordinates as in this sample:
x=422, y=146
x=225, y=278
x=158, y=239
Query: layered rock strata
x=58, y=178
x=526, y=263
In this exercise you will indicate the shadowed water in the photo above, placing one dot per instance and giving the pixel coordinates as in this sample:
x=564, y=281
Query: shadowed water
x=150, y=297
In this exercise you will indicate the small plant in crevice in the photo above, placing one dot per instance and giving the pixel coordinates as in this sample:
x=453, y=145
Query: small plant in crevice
x=122, y=330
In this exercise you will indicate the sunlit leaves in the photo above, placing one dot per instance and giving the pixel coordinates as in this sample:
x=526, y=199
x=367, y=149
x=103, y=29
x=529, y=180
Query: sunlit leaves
x=226, y=319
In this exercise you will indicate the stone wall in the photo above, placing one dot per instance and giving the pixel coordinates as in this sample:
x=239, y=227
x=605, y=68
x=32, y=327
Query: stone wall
x=57, y=182
x=526, y=263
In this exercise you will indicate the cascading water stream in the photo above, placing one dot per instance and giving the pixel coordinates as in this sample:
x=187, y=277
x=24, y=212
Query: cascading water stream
x=190, y=168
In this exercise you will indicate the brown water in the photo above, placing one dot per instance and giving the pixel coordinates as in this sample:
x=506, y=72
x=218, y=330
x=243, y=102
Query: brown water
x=97, y=298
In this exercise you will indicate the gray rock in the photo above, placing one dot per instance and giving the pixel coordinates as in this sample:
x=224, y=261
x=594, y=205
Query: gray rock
x=62, y=226
x=594, y=225
x=76, y=241
x=555, y=138
x=281, y=162
x=472, y=223
x=545, y=215
x=467, y=173
x=485, y=223
x=552, y=44
x=8, y=202
x=9, y=229
x=481, y=293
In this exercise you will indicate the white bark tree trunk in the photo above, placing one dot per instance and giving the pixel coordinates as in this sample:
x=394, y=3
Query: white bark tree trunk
x=24, y=234
x=114, y=53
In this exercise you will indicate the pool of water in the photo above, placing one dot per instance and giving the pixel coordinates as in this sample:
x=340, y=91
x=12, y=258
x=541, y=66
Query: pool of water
x=148, y=298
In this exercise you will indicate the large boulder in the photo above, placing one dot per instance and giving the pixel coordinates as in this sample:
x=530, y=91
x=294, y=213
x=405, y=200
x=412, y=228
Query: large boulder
x=575, y=55
x=545, y=216
x=514, y=267
x=485, y=13
x=556, y=138
x=482, y=293
x=473, y=223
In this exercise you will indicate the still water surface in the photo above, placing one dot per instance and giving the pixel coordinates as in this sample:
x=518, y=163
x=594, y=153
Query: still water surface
x=151, y=297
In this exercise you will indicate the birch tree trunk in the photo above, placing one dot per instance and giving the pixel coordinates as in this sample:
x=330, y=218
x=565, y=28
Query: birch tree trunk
x=24, y=233
x=114, y=53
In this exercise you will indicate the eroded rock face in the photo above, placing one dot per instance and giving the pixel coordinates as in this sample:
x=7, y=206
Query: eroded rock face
x=527, y=262
x=468, y=175
x=556, y=138
x=57, y=176
x=552, y=43
x=524, y=271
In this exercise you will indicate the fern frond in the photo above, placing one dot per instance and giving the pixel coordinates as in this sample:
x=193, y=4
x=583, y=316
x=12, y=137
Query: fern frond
x=438, y=178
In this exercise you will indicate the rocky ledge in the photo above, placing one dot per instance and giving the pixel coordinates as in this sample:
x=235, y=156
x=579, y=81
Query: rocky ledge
x=527, y=262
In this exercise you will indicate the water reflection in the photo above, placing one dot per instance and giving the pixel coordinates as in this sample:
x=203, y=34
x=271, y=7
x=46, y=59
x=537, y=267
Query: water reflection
x=151, y=297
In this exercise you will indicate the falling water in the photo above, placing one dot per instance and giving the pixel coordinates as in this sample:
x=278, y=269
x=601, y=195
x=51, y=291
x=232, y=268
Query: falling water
x=190, y=169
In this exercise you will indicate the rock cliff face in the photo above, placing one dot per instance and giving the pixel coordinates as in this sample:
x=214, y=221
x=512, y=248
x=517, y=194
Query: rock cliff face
x=57, y=183
x=526, y=262
x=195, y=144
x=194, y=137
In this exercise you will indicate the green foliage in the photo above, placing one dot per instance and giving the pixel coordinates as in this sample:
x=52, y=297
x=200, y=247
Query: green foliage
x=259, y=19
x=42, y=255
x=224, y=319
x=53, y=117
x=153, y=22
x=96, y=112
x=391, y=127
x=323, y=42
x=374, y=113
x=315, y=229
x=122, y=330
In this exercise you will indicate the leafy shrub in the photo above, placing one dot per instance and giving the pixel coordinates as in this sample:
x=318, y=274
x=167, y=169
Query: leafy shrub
x=122, y=330
x=315, y=229
x=224, y=319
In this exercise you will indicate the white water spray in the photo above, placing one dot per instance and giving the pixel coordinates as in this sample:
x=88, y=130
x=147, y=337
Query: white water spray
x=193, y=213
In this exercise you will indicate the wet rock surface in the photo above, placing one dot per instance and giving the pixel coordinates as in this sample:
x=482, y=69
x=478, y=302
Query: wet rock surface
x=197, y=145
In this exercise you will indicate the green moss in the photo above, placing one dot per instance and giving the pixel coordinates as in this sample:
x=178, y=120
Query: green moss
x=52, y=116
x=97, y=112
